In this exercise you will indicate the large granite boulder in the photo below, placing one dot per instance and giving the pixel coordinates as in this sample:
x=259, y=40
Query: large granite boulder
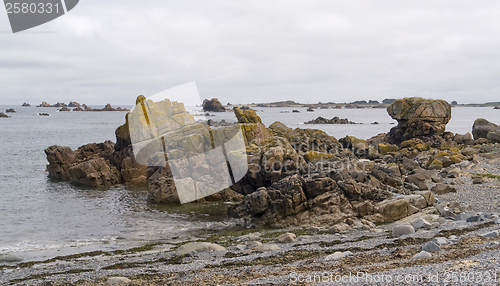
x=213, y=105
x=418, y=118
x=482, y=128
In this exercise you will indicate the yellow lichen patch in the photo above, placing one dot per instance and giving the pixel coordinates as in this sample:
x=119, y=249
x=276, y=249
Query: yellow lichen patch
x=408, y=144
x=385, y=148
x=436, y=164
x=421, y=147
x=442, y=154
x=457, y=158
x=314, y=156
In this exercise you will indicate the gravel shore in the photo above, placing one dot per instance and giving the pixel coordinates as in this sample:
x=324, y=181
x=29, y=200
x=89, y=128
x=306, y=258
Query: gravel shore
x=469, y=253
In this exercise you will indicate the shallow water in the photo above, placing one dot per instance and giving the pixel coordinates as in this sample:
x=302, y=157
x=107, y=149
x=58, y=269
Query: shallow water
x=41, y=218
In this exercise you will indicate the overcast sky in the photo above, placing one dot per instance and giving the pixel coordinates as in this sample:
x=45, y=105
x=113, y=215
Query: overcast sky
x=256, y=51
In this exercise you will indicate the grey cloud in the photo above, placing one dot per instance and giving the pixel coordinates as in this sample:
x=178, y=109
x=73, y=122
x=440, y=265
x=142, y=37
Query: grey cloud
x=258, y=51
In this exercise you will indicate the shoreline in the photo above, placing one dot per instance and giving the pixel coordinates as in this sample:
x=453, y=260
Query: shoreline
x=160, y=263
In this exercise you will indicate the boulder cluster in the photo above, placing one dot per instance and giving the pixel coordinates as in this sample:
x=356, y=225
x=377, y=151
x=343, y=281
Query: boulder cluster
x=304, y=176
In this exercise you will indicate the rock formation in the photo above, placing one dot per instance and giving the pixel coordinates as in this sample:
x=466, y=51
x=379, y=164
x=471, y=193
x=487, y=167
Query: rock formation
x=334, y=120
x=44, y=104
x=108, y=107
x=10, y=110
x=482, y=128
x=3, y=115
x=73, y=104
x=59, y=104
x=65, y=109
x=213, y=105
x=247, y=116
x=418, y=118
x=295, y=176
x=26, y=104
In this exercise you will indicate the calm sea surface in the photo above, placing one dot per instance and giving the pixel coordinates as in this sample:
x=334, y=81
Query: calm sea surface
x=41, y=218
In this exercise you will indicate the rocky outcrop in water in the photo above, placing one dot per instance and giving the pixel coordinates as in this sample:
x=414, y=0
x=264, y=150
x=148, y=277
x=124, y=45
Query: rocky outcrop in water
x=60, y=104
x=334, y=120
x=64, y=109
x=73, y=104
x=97, y=164
x=26, y=104
x=418, y=118
x=108, y=107
x=296, y=176
x=3, y=115
x=213, y=105
x=10, y=110
x=44, y=104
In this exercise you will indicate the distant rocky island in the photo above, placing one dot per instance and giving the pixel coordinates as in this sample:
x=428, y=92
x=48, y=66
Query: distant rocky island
x=335, y=120
x=214, y=105
x=79, y=107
